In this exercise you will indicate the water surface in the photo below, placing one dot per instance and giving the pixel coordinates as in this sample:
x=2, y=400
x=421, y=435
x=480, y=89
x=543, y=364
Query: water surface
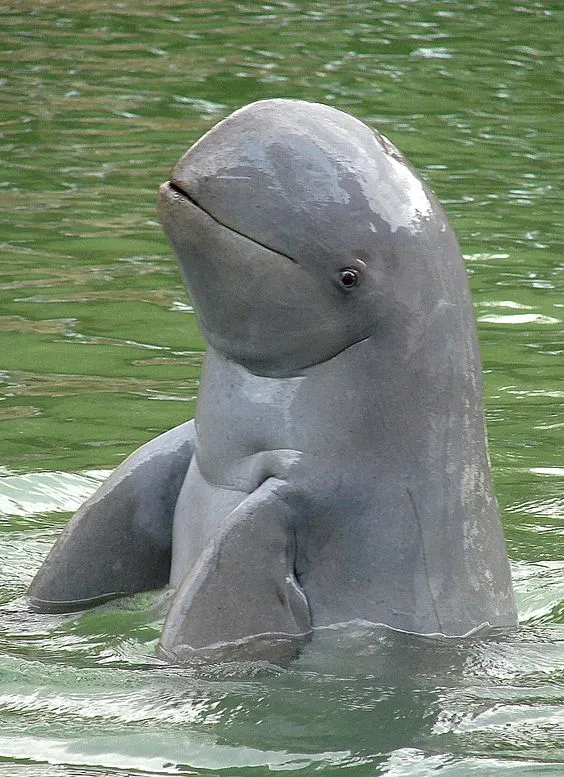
x=99, y=351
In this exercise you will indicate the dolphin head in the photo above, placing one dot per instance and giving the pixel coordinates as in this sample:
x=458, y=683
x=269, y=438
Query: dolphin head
x=290, y=220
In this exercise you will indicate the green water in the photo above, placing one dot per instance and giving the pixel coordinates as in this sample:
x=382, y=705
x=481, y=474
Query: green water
x=99, y=352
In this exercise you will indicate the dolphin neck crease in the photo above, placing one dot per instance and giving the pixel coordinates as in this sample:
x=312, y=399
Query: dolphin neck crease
x=298, y=372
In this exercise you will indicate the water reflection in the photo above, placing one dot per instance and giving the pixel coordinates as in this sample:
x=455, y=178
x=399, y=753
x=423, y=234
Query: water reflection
x=332, y=707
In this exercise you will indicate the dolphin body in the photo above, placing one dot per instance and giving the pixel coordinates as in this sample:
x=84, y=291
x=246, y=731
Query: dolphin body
x=337, y=466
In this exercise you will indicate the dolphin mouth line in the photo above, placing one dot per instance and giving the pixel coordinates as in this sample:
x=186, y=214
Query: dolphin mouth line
x=216, y=341
x=177, y=189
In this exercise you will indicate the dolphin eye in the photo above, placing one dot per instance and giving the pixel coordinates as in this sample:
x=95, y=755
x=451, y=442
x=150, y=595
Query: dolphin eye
x=348, y=278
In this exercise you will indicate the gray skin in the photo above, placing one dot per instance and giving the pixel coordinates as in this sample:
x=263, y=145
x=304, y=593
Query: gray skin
x=337, y=468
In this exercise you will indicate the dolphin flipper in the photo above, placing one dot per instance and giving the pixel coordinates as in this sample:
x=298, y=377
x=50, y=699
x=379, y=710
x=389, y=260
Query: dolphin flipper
x=119, y=541
x=241, y=600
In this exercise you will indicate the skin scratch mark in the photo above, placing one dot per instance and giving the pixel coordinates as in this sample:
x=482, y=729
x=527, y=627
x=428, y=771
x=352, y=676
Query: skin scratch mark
x=424, y=555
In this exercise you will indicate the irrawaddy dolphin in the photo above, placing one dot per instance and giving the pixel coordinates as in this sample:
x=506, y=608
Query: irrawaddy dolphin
x=337, y=467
